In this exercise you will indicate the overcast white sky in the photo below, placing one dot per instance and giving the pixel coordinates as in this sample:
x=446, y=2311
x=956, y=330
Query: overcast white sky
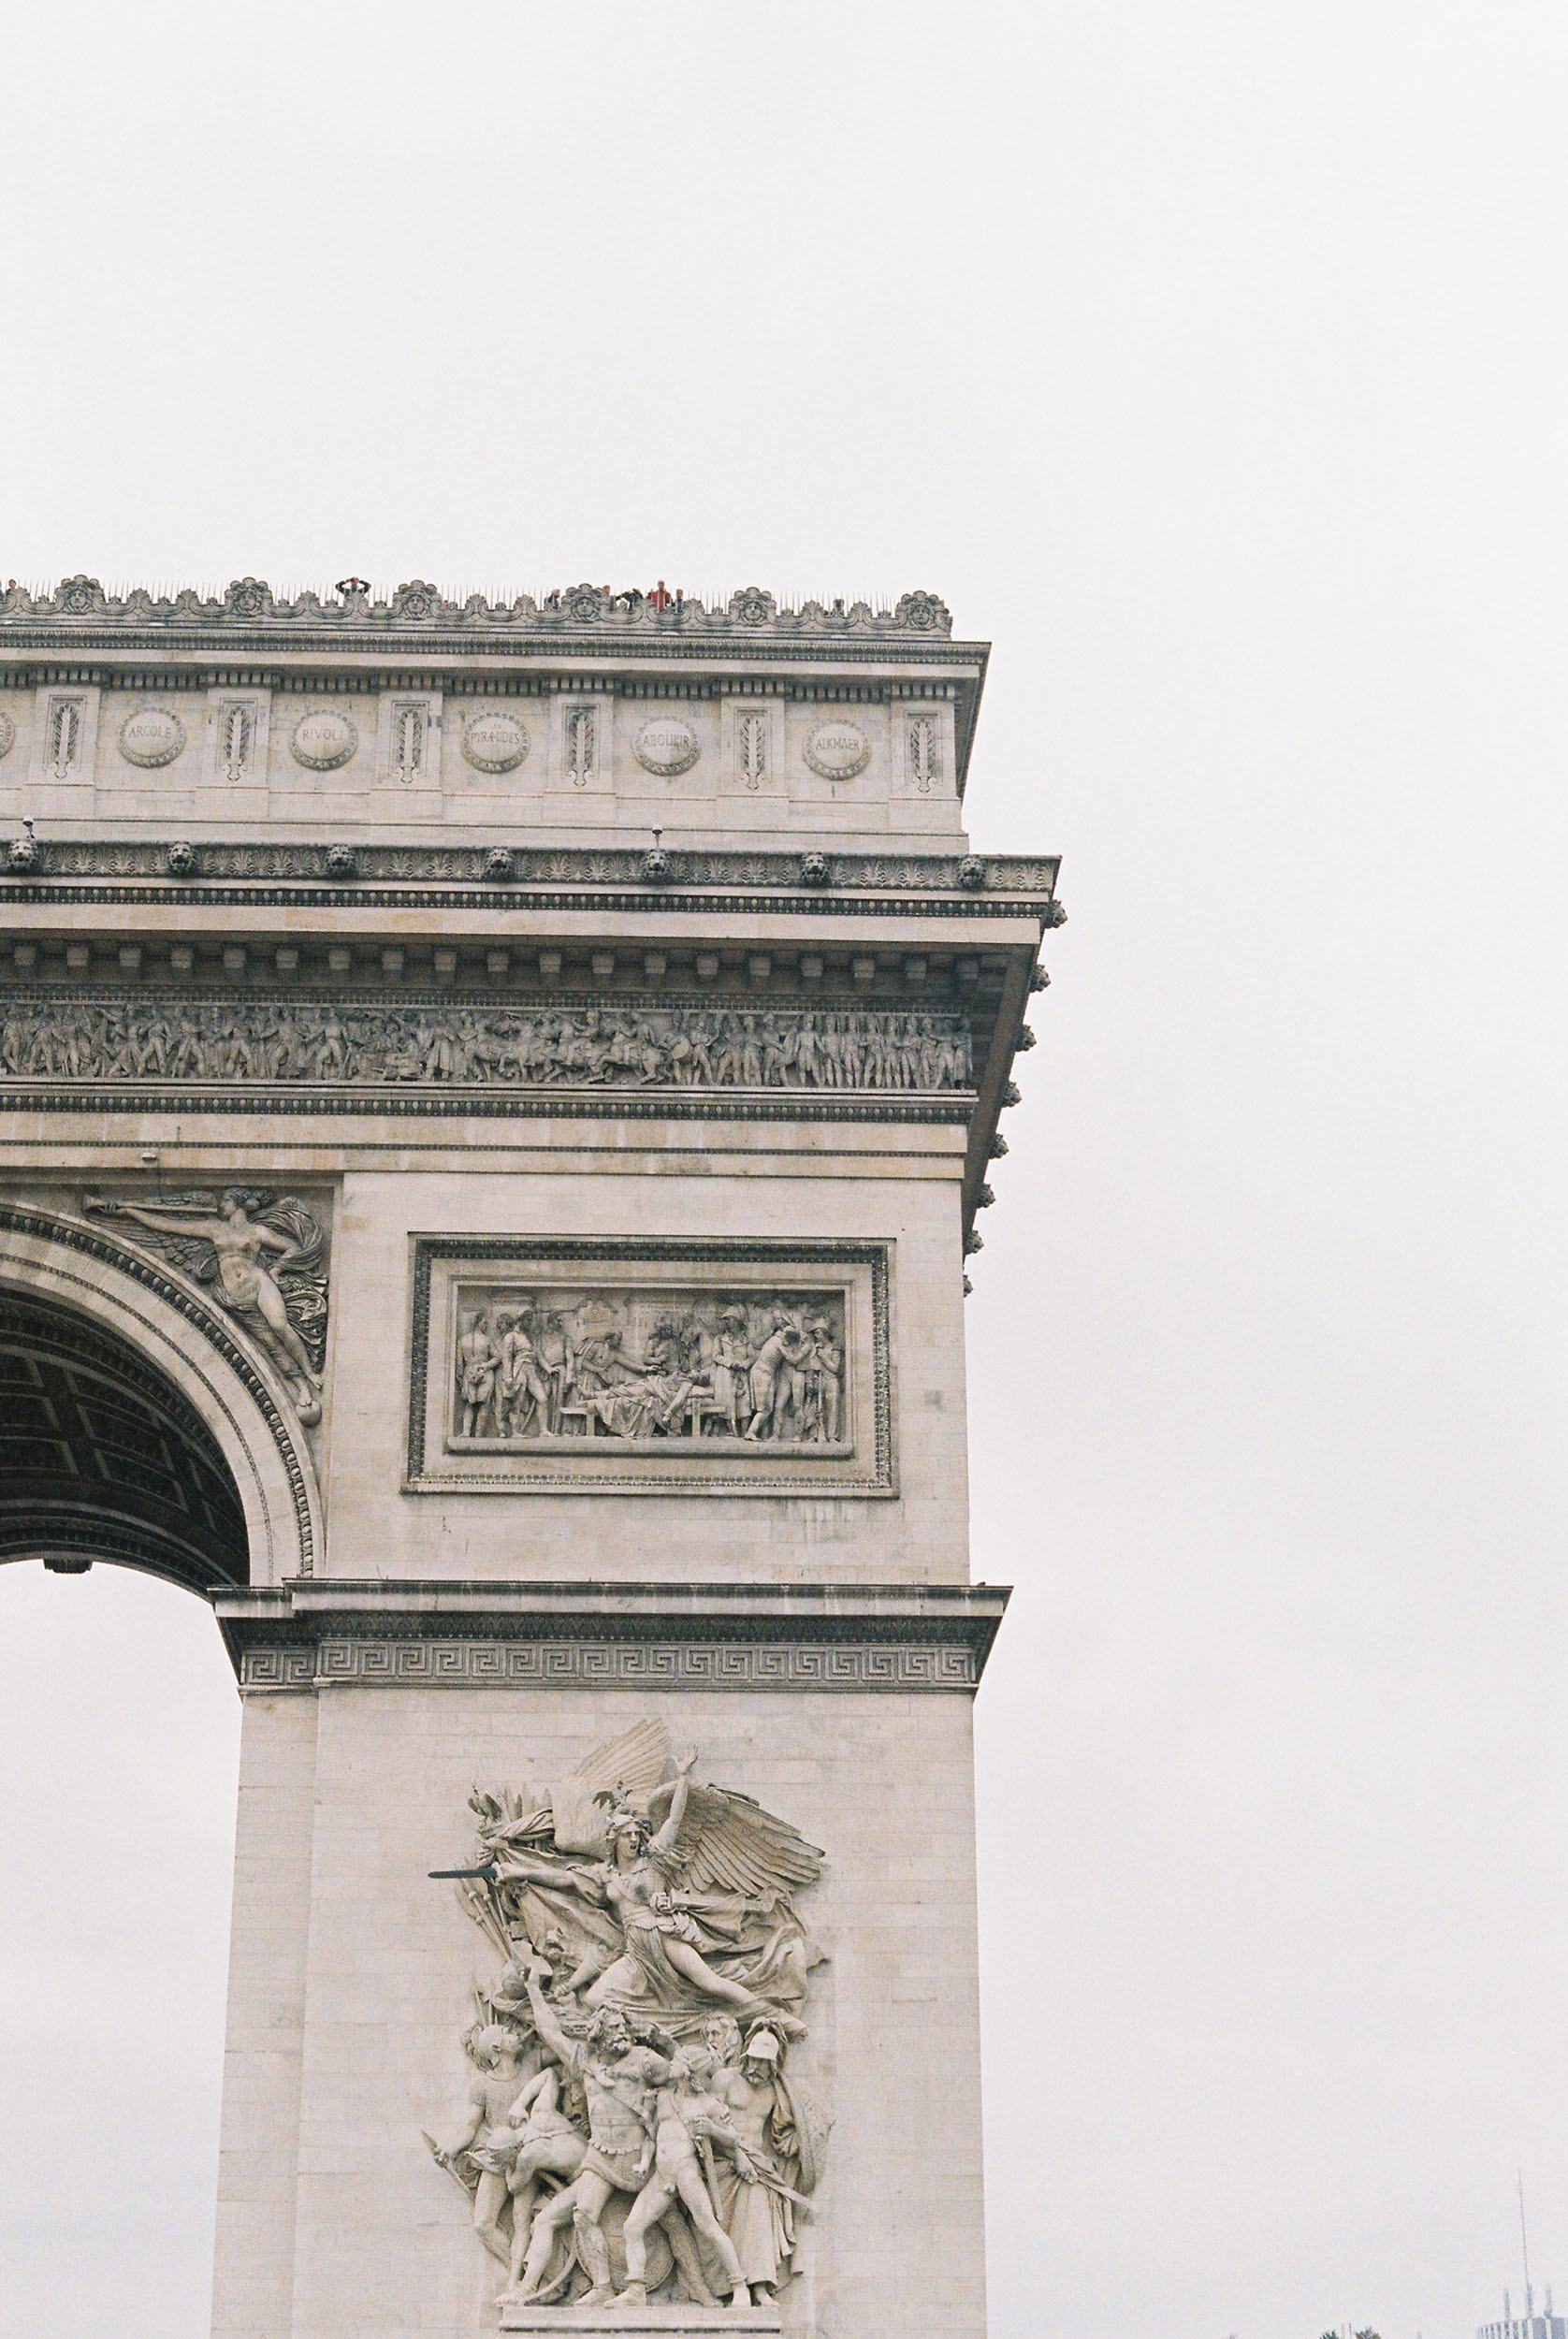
x=1208, y=358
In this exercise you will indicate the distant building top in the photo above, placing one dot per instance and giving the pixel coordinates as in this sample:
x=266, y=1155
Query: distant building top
x=634, y=612
x=1529, y=2325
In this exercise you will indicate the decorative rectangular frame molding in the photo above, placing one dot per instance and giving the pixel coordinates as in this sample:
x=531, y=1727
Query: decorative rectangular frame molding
x=772, y=781
x=256, y=701
x=81, y=768
x=906, y=781
x=566, y=775
x=444, y=1264
x=417, y=796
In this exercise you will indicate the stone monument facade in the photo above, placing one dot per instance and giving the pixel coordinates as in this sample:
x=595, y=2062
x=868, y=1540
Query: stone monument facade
x=495, y=1100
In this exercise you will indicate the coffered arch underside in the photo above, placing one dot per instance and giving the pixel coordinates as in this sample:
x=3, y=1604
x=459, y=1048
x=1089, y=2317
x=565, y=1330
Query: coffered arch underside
x=140, y=1424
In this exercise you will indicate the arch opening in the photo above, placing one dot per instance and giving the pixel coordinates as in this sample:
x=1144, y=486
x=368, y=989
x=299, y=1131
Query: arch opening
x=141, y=1418
x=103, y=1458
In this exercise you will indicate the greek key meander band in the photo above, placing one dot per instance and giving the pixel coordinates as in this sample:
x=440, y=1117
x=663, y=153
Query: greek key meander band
x=614, y=1665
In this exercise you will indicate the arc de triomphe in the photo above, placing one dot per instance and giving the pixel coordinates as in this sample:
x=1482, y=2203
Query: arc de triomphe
x=494, y=1101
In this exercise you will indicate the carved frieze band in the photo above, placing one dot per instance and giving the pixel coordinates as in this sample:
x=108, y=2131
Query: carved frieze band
x=671, y=1664
x=279, y=1043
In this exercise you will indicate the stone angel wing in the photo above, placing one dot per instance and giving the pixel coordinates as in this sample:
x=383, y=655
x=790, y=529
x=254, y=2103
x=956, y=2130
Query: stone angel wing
x=634, y=1761
x=193, y=1254
x=629, y=1766
x=729, y=1844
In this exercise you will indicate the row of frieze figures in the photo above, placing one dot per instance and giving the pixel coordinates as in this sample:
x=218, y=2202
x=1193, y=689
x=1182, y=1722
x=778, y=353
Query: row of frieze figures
x=880, y=1049
x=768, y=1369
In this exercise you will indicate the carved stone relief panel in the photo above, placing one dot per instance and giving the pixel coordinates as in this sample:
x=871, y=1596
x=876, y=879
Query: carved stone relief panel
x=261, y=1255
x=65, y=735
x=644, y=2026
x=581, y=1365
x=752, y=749
x=922, y=751
x=236, y=736
x=637, y=1050
x=582, y=759
x=407, y=742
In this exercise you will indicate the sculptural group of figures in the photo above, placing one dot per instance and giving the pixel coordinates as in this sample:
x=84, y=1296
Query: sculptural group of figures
x=671, y=1047
x=761, y=1370
x=634, y=2127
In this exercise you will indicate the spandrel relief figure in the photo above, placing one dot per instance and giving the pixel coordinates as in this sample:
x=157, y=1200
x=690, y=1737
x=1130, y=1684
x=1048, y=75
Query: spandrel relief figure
x=632, y=2134
x=763, y=1371
x=264, y=1256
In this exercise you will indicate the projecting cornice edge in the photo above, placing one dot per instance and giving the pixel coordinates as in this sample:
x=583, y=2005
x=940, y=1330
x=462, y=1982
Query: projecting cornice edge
x=374, y=1633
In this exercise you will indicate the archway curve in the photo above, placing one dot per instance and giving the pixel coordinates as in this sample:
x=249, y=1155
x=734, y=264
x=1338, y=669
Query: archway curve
x=86, y=1280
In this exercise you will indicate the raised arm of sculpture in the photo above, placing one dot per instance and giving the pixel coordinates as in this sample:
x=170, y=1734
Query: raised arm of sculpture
x=669, y=1835
x=517, y=1867
x=163, y=1222
x=548, y=2026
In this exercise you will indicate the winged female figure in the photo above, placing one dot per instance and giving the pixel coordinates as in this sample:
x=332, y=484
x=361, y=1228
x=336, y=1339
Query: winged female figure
x=264, y=1257
x=690, y=1908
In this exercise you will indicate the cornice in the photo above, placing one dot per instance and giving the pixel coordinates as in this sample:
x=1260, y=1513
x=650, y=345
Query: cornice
x=324, y=1634
x=524, y=878
x=186, y=1098
x=79, y=609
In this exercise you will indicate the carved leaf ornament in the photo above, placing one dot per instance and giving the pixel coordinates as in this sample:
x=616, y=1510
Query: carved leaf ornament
x=249, y=601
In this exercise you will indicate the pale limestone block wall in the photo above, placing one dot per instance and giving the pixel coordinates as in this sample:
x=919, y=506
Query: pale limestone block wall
x=268, y=1948
x=918, y=1535
x=712, y=799
x=383, y=2246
